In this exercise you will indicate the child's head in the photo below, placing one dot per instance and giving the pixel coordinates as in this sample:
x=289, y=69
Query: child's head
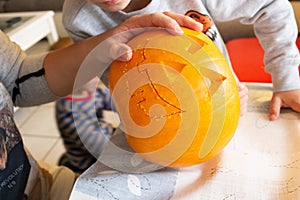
x=117, y=5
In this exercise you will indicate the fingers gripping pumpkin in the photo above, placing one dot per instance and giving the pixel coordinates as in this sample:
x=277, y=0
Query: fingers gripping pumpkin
x=177, y=98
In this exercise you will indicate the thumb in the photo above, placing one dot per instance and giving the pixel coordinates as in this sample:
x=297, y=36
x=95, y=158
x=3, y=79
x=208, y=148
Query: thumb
x=120, y=51
x=275, y=108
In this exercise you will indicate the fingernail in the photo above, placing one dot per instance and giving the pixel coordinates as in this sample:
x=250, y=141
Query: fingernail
x=125, y=56
x=199, y=27
x=178, y=30
x=241, y=86
x=272, y=117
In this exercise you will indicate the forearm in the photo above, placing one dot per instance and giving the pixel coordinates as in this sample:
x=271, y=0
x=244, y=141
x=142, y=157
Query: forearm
x=22, y=75
x=80, y=62
x=61, y=66
x=277, y=33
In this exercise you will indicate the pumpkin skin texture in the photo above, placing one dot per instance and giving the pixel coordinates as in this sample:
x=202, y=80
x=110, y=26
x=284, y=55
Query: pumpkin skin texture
x=177, y=98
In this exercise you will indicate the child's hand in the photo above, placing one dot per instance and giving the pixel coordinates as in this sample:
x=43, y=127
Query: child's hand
x=243, y=93
x=90, y=57
x=286, y=99
x=167, y=20
x=172, y=22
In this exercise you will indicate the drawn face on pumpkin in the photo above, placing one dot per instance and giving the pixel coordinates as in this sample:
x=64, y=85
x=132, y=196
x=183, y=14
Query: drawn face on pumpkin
x=177, y=98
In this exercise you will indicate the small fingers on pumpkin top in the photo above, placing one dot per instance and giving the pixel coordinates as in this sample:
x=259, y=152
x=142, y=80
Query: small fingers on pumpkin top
x=183, y=21
x=168, y=20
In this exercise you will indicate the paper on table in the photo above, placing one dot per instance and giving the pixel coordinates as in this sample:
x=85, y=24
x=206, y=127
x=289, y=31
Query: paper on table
x=261, y=162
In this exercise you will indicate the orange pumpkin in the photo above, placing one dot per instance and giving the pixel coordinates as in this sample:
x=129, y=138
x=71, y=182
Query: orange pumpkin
x=177, y=98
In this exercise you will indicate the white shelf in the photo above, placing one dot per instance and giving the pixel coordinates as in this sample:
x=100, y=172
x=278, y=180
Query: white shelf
x=33, y=27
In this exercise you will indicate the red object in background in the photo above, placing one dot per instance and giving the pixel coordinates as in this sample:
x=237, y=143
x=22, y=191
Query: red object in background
x=246, y=56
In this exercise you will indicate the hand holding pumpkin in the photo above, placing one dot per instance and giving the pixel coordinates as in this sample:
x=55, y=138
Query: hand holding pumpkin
x=167, y=20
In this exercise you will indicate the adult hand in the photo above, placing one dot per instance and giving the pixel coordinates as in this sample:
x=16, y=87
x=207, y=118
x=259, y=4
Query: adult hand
x=286, y=99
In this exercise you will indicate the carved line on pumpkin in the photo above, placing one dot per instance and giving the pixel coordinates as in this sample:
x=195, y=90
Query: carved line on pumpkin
x=215, y=78
x=179, y=67
x=181, y=141
x=195, y=48
x=146, y=80
x=160, y=96
x=219, y=111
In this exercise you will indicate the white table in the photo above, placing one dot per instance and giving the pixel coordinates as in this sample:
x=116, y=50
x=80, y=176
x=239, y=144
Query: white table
x=33, y=27
x=262, y=162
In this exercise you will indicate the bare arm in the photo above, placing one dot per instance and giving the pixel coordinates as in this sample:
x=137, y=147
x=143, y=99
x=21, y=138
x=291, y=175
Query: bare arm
x=61, y=66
